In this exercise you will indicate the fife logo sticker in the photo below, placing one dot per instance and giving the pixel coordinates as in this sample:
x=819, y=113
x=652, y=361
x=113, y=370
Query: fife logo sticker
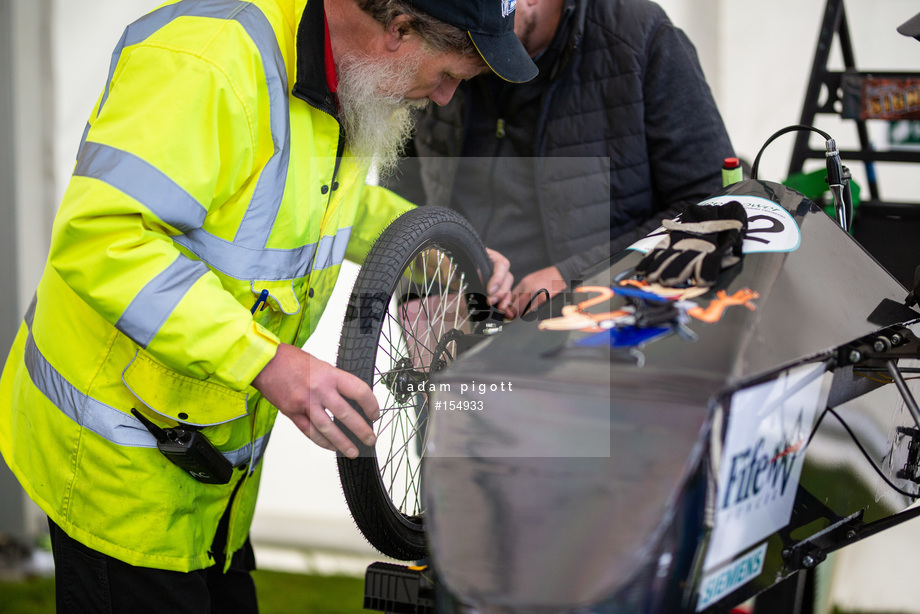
x=768, y=427
x=508, y=7
x=770, y=227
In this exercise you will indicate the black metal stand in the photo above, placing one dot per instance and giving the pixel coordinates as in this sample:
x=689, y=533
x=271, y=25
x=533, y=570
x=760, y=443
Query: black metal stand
x=886, y=228
x=835, y=85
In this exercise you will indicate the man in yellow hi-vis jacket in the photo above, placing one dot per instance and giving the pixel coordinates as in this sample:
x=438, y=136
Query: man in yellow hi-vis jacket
x=222, y=168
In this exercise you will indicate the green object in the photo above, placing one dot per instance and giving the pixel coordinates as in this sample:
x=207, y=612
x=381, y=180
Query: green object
x=904, y=133
x=814, y=186
x=731, y=171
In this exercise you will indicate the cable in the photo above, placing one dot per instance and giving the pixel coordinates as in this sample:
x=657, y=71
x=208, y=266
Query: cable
x=533, y=298
x=814, y=430
x=779, y=133
x=866, y=454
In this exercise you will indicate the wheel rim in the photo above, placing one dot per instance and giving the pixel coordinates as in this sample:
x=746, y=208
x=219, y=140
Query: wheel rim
x=389, y=346
x=427, y=303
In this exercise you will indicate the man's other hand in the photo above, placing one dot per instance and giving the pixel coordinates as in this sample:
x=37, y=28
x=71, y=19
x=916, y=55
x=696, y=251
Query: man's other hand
x=499, y=286
x=549, y=279
x=307, y=390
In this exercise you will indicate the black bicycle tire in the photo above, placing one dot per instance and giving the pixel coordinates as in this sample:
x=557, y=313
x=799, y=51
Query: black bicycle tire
x=377, y=517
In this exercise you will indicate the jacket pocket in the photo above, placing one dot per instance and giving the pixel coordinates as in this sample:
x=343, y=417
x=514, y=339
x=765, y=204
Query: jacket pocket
x=180, y=397
x=282, y=294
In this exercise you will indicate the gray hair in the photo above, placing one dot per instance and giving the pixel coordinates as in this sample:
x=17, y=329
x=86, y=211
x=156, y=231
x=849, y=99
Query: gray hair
x=439, y=35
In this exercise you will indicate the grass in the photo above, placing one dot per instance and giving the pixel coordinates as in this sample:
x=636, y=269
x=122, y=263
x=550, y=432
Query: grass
x=284, y=593
x=278, y=593
x=35, y=595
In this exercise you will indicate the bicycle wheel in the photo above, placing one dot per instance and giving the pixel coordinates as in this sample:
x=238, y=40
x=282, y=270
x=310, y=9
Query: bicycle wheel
x=420, y=290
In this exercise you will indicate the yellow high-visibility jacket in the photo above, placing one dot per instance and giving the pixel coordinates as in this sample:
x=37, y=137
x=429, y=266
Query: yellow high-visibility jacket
x=211, y=169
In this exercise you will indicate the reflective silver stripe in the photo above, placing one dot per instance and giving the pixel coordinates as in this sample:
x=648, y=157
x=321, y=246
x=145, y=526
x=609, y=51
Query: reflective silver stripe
x=151, y=307
x=109, y=423
x=115, y=426
x=259, y=218
x=83, y=138
x=250, y=452
x=266, y=264
x=258, y=450
x=332, y=249
x=146, y=26
x=30, y=311
x=143, y=182
x=244, y=263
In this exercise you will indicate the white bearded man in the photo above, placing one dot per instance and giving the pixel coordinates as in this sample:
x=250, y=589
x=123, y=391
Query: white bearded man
x=219, y=184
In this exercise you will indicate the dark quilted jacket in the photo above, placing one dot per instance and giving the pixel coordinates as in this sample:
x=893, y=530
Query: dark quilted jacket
x=627, y=133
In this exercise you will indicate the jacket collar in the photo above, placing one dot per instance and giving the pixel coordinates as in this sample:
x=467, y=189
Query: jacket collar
x=310, y=84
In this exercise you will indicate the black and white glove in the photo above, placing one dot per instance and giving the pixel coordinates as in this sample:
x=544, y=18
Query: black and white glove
x=705, y=240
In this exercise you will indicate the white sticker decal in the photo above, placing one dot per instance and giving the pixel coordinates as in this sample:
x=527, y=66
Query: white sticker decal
x=508, y=7
x=768, y=428
x=770, y=227
x=735, y=575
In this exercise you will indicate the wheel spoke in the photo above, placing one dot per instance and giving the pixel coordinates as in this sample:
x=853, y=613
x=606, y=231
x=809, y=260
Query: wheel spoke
x=427, y=300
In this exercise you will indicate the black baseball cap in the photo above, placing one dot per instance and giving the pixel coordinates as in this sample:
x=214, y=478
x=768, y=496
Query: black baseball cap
x=911, y=27
x=490, y=23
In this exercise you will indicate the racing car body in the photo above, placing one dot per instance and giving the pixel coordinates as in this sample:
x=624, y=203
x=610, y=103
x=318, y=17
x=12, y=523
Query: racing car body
x=652, y=450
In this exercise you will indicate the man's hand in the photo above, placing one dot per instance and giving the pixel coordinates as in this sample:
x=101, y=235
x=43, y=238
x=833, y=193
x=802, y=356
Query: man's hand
x=304, y=388
x=549, y=278
x=499, y=286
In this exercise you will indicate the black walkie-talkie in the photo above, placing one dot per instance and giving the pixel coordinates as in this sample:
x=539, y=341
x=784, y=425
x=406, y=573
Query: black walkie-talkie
x=189, y=450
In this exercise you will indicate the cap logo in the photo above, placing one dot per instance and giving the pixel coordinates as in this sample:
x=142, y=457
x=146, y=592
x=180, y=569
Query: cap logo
x=508, y=7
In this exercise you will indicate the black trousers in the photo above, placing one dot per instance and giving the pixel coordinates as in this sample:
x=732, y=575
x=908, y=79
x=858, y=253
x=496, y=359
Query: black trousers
x=87, y=581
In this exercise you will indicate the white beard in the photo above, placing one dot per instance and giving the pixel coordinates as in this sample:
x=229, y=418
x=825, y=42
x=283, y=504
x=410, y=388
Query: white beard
x=377, y=123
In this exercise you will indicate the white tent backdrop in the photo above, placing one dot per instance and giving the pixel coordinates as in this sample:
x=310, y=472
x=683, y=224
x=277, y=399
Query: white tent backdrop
x=757, y=56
